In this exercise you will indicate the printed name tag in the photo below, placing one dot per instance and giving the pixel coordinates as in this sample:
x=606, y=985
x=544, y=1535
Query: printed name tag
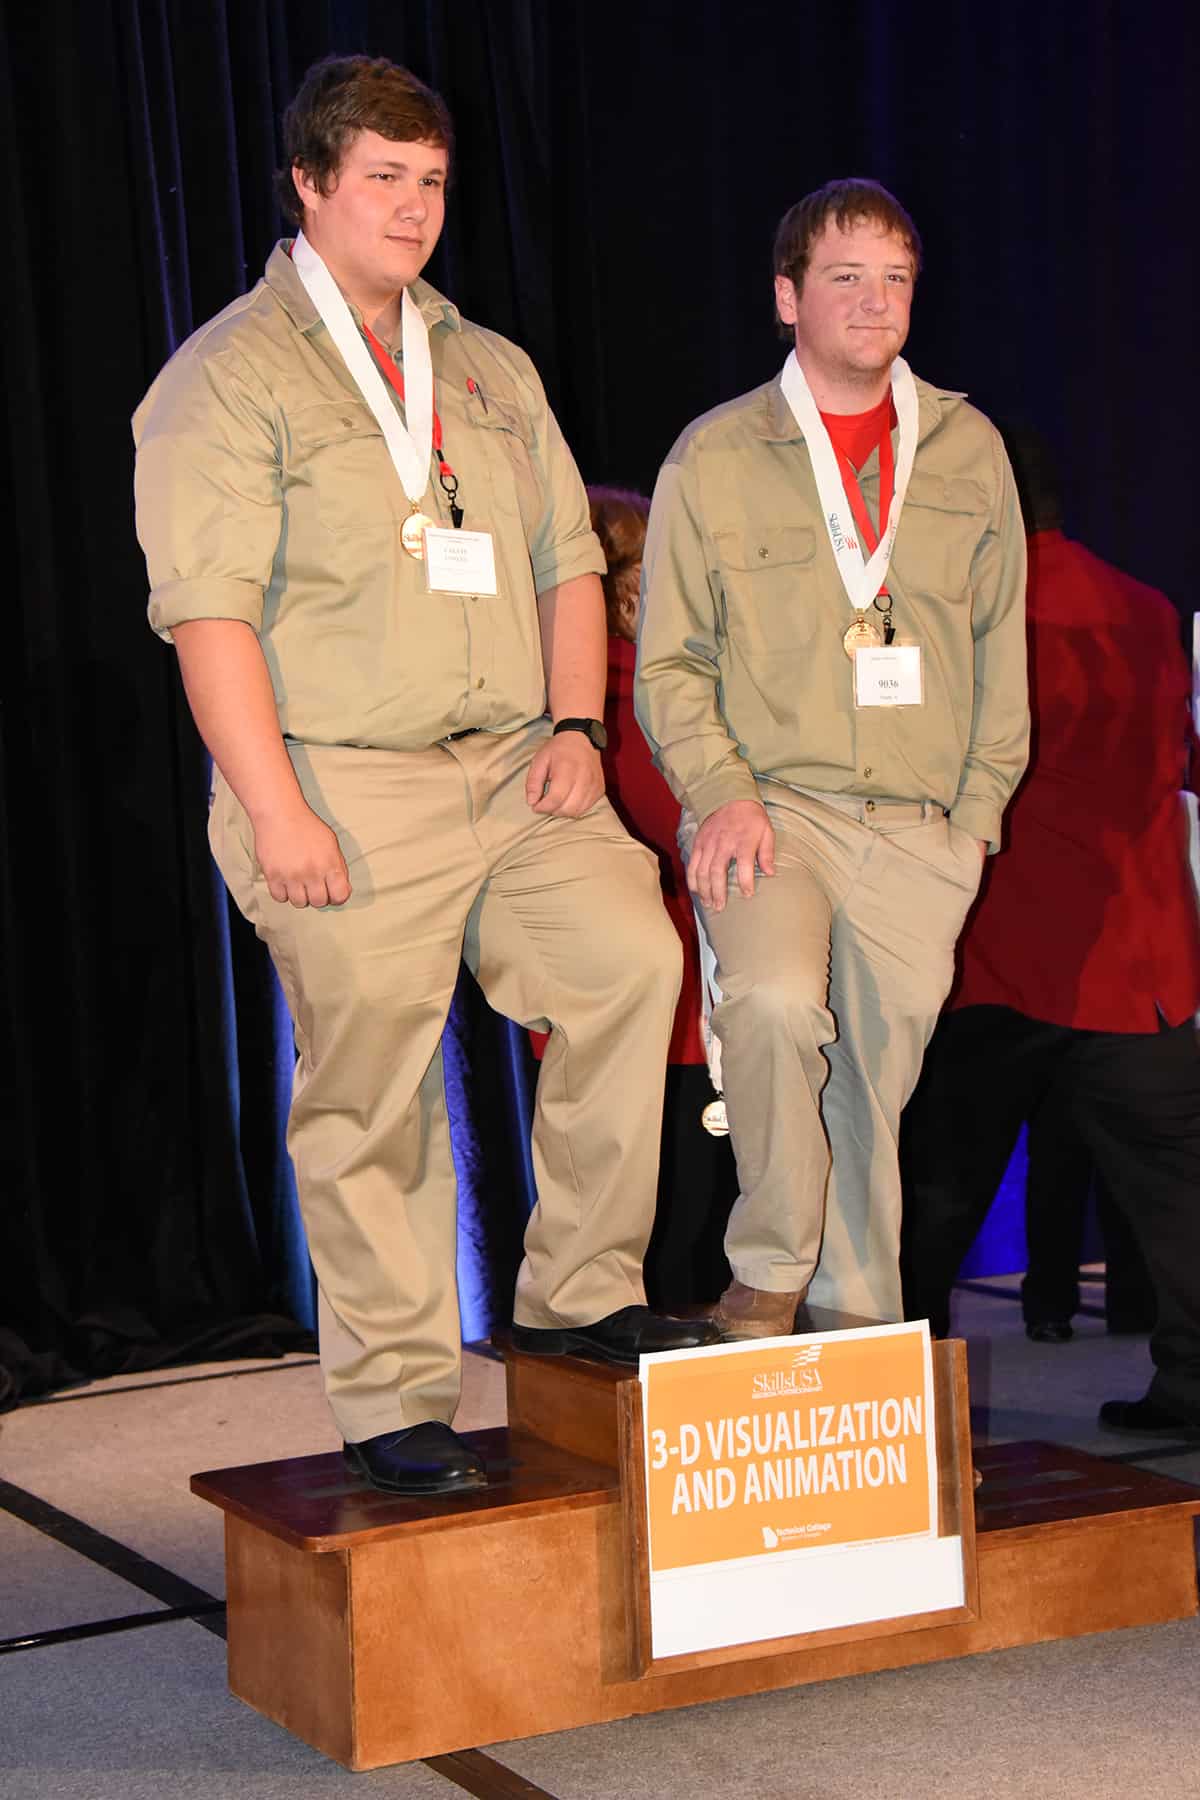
x=460, y=562
x=888, y=677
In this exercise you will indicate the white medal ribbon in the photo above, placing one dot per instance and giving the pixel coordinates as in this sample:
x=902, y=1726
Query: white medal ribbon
x=714, y=1117
x=862, y=580
x=710, y=998
x=409, y=445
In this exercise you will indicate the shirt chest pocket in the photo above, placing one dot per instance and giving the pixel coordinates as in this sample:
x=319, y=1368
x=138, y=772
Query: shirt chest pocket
x=942, y=525
x=767, y=581
x=501, y=439
x=337, y=472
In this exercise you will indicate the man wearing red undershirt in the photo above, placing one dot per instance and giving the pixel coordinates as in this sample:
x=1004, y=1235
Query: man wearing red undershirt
x=831, y=671
x=1081, y=967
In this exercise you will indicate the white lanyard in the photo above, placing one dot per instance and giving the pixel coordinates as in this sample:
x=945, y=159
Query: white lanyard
x=410, y=445
x=861, y=582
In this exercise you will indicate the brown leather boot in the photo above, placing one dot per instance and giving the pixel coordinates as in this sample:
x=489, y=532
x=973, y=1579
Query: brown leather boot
x=746, y=1312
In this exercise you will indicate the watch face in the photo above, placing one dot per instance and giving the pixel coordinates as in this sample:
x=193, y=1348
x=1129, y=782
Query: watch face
x=598, y=734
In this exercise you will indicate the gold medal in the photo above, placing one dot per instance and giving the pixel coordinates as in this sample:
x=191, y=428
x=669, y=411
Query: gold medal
x=861, y=635
x=412, y=533
x=713, y=1119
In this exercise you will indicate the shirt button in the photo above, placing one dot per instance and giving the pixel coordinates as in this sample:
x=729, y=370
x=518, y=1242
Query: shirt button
x=481, y=682
x=870, y=806
x=868, y=772
x=763, y=551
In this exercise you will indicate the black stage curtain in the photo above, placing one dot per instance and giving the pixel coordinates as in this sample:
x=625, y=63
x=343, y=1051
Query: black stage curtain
x=621, y=168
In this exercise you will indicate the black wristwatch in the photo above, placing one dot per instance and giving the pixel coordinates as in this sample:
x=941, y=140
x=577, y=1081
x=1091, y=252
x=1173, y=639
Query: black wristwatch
x=592, y=730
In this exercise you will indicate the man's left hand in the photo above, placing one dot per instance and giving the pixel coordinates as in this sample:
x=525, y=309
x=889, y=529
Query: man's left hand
x=566, y=777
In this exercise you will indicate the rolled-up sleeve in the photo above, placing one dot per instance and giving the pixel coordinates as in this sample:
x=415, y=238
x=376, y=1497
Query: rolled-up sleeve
x=998, y=748
x=207, y=490
x=562, y=543
x=676, y=692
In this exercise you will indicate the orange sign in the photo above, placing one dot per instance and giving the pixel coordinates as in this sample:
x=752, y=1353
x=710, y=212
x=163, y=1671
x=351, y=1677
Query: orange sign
x=806, y=1442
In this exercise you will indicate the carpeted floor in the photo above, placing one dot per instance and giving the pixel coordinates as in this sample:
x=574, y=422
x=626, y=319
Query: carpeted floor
x=97, y=1525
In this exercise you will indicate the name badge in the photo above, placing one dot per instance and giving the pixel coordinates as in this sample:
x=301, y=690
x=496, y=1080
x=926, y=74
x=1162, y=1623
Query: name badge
x=888, y=676
x=460, y=562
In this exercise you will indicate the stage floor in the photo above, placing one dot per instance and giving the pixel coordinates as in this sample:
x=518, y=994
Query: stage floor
x=97, y=1525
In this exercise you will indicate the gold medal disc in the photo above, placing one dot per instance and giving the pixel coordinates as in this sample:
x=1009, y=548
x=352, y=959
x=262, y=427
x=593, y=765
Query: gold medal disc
x=714, y=1120
x=412, y=534
x=861, y=635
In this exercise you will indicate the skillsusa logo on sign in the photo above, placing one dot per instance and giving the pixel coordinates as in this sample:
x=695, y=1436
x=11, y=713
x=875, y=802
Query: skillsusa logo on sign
x=801, y=1378
x=753, y=1450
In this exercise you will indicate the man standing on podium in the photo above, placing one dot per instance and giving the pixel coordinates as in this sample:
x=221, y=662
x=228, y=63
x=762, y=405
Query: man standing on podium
x=831, y=671
x=371, y=548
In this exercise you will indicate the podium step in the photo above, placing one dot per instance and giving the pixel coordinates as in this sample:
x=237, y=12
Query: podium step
x=315, y=1504
x=380, y=1630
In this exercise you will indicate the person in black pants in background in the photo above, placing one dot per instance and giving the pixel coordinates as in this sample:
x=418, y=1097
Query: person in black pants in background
x=1060, y=1179
x=1080, y=974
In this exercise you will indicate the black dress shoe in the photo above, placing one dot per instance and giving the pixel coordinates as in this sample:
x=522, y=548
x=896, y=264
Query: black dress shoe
x=1149, y=1418
x=620, y=1338
x=424, y=1459
x=1049, y=1331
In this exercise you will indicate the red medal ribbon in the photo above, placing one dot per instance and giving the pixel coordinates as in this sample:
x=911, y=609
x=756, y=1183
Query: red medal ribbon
x=391, y=373
x=887, y=487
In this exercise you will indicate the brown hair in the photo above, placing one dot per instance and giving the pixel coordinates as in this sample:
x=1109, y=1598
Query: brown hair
x=343, y=95
x=847, y=203
x=619, y=521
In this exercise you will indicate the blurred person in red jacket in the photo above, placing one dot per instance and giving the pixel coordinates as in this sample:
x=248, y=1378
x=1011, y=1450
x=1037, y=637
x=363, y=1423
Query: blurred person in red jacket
x=685, y=1262
x=1080, y=967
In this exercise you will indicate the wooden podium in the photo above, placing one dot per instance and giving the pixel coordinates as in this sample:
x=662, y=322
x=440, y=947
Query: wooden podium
x=381, y=1630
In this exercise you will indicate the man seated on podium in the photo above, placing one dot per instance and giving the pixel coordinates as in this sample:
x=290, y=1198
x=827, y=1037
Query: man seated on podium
x=371, y=549
x=831, y=670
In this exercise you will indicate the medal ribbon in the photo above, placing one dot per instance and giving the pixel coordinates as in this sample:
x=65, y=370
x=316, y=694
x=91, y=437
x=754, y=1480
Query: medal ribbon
x=861, y=578
x=391, y=373
x=887, y=485
x=409, y=441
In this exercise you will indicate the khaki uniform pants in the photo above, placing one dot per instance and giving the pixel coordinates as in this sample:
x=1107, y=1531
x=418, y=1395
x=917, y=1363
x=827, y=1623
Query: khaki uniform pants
x=562, y=922
x=832, y=978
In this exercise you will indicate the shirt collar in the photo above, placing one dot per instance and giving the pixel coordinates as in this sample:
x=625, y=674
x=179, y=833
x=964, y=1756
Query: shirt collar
x=777, y=425
x=281, y=277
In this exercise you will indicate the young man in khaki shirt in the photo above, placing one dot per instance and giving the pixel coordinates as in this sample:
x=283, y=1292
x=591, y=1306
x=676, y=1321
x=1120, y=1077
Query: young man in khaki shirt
x=843, y=726
x=390, y=794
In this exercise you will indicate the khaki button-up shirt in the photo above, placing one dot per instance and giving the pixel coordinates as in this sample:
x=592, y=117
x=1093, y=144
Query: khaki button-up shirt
x=265, y=493
x=741, y=669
